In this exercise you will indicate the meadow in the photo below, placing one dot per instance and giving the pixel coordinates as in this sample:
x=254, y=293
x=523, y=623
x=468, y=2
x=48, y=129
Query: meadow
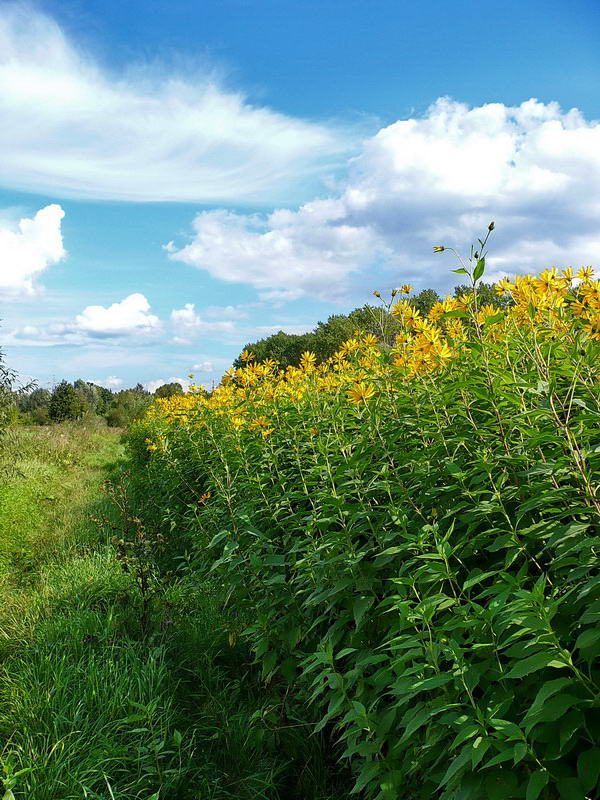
x=373, y=575
x=95, y=703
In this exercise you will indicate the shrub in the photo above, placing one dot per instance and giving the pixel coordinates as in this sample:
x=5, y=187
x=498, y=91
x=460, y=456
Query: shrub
x=413, y=534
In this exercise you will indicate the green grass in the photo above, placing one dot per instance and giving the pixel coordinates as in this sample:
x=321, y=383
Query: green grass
x=90, y=707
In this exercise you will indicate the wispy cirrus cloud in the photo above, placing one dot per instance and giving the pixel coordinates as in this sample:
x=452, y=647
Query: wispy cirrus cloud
x=75, y=129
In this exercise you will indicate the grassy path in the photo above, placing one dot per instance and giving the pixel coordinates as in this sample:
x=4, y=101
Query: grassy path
x=90, y=708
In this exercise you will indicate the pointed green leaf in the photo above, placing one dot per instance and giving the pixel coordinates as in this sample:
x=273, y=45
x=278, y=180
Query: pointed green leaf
x=537, y=781
x=588, y=768
x=479, y=269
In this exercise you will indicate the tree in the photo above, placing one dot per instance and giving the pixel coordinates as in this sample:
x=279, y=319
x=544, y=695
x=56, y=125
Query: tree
x=7, y=376
x=168, y=390
x=324, y=340
x=88, y=395
x=65, y=403
x=486, y=295
x=425, y=300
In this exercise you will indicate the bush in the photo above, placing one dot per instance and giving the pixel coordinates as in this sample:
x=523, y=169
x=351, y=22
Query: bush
x=413, y=533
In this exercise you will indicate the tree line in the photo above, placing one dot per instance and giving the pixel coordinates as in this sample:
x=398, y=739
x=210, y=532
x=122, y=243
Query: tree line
x=327, y=337
x=83, y=399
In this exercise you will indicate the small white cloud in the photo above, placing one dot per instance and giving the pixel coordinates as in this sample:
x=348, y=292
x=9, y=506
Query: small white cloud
x=112, y=382
x=152, y=386
x=130, y=316
x=28, y=248
x=204, y=366
x=240, y=311
x=75, y=129
x=187, y=325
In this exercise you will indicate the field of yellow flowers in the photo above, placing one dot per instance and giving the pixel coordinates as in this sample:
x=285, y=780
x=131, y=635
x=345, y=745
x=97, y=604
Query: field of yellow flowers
x=412, y=531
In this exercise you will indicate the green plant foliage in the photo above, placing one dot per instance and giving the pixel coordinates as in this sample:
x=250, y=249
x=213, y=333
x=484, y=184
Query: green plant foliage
x=327, y=337
x=422, y=568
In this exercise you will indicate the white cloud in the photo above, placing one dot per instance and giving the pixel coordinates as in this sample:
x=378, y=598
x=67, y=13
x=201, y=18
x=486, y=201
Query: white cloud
x=152, y=386
x=28, y=248
x=187, y=325
x=111, y=382
x=439, y=179
x=204, y=366
x=71, y=127
x=128, y=319
x=309, y=250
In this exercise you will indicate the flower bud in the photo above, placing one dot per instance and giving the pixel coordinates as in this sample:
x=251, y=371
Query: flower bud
x=438, y=248
x=376, y=293
x=491, y=226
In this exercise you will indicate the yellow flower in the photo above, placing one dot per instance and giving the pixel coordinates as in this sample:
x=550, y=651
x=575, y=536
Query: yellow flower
x=585, y=274
x=360, y=393
x=406, y=289
x=438, y=248
x=202, y=500
x=307, y=360
x=503, y=286
x=370, y=340
x=247, y=356
x=351, y=346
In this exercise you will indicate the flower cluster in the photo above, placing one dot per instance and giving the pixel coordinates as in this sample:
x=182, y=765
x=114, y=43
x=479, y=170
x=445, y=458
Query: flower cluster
x=551, y=304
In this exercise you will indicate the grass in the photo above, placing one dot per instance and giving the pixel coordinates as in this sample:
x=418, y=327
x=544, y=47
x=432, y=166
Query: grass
x=90, y=707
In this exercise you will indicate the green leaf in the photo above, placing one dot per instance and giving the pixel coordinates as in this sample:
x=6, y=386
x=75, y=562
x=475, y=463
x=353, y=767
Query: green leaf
x=477, y=579
x=479, y=269
x=587, y=638
x=8, y=795
x=457, y=313
x=458, y=763
x=360, y=606
x=588, y=768
x=533, y=663
x=537, y=781
x=460, y=271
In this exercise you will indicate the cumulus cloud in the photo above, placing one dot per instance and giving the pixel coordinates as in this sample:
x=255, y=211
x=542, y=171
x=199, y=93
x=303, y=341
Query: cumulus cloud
x=187, y=325
x=439, y=179
x=128, y=319
x=74, y=128
x=28, y=248
x=309, y=250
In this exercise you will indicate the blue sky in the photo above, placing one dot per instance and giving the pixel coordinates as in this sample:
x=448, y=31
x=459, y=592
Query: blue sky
x=179, y=179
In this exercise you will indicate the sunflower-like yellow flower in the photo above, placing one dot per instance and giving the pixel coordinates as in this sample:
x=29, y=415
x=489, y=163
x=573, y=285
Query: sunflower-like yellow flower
x=307, y=360
x=585, y=274
x=370, y=340
x=360, y=393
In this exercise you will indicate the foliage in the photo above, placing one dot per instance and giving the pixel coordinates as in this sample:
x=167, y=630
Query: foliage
x=413, y=534
x=168, y=390
x=65, y=403
x=286, y=348
x=87, y=708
